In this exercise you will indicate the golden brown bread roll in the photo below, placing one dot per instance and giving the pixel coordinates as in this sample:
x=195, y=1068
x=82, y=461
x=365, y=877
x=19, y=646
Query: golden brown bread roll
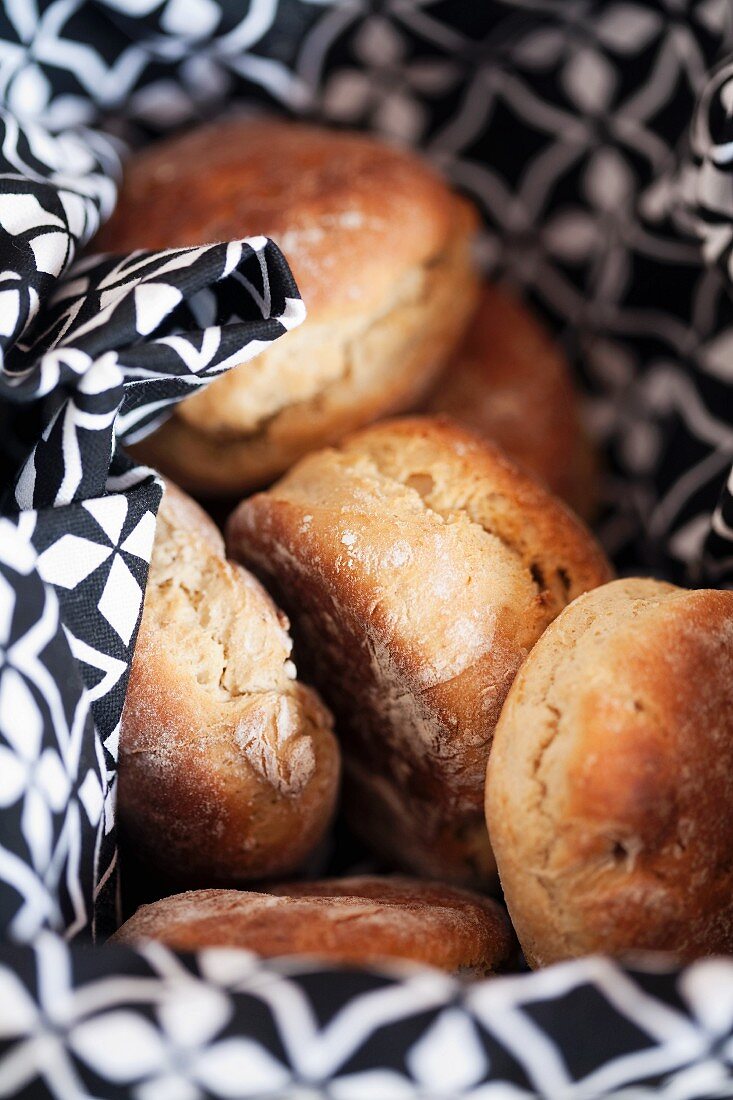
x=420, y=566
x=610, y=783
x=351, y=920
x=228, y=766
x=379, y=247
x=510, y=383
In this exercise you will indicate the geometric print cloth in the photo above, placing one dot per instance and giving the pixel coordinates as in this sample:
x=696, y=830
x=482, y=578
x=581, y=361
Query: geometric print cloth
x=224, y=1025
x=596, y=138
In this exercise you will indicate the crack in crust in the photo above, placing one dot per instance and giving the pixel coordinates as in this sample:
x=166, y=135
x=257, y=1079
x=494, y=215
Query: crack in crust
x=228, y=766
x=241, y=407
x=419, y=567
x=363, y=369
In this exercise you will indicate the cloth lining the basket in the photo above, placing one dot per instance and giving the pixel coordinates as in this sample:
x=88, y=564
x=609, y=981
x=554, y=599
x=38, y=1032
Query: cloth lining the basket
x=596, y=139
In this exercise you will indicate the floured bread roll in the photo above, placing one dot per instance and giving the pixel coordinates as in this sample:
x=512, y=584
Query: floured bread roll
x=511, y=384
x=610, y=784
x=419, y=567
x=350, y=920
x=228, y=766
x=380, y=249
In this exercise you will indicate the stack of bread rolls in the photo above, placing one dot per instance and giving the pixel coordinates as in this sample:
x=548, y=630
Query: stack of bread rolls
x=493, y=709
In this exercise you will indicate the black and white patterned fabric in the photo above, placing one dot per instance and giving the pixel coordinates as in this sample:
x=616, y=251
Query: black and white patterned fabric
x=223, y=1025
x=596, y=137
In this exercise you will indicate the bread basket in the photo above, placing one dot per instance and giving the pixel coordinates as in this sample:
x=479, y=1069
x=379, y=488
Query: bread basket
x=596, y=139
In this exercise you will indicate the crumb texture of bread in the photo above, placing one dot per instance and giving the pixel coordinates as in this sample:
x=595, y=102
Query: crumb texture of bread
x=228, y=765
x=419, y=567
x=611, y=776
x=354, y=920
x=510, y=382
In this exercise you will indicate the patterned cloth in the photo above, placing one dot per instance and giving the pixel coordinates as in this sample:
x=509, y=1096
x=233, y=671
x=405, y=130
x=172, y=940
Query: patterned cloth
x=597, y=139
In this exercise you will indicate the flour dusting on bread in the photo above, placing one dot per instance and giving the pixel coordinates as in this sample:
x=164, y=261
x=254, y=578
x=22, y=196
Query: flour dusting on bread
x=228, y=765
x=428, y=567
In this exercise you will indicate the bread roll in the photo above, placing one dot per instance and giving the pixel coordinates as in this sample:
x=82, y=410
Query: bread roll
x=610, y=784
x=420, y=567
x=379, y=247
x=510, y=383
x=228, y=766
x=351, y=920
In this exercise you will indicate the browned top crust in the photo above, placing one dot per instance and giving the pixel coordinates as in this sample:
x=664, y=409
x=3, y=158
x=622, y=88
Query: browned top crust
x=351, y=213
x=435, y=483
x=510, y=382
x=611, y=777
x=355, y=920
x=421, y=566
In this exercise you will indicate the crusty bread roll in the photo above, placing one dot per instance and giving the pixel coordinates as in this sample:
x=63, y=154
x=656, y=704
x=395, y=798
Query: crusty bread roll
x=610, y=784
x=228, y=766
x=379, y=247
x=510, y=383
x=420, y=567
x=351, y=920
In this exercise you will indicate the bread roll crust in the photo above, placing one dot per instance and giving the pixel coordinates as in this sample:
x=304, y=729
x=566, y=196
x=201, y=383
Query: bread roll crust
x=509, y=382
x=353, y=920
x=228, y=766
x=351, y=213
x=420, y=567
x=611, y=774
x=380, y=250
